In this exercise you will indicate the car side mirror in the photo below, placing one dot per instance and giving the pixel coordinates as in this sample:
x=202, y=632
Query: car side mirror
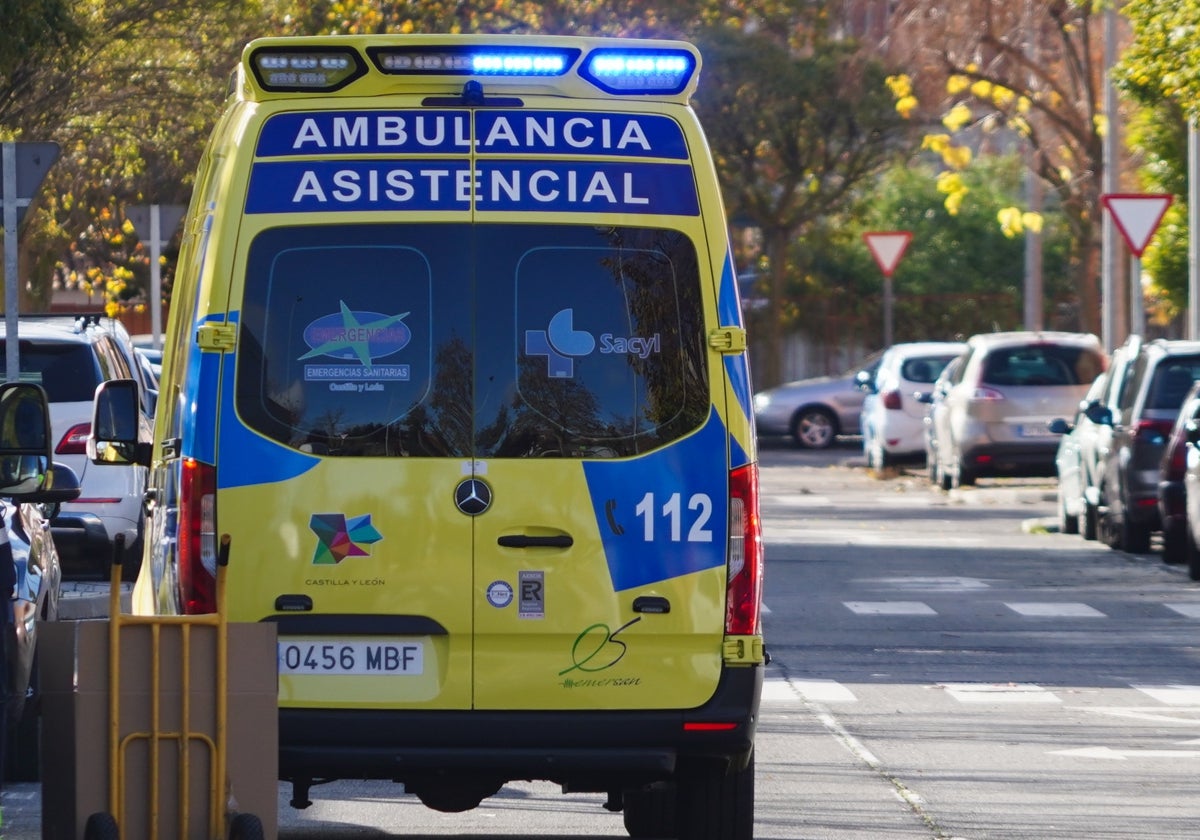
x=1099, y=413
x=1059, y=426
x=864, y=381
x=62, y=485
x=116, y=431
x=924, y=397
x=25, y=442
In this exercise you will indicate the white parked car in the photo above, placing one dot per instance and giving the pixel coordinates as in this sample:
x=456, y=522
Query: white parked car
x=69, y=355
x=893, y=412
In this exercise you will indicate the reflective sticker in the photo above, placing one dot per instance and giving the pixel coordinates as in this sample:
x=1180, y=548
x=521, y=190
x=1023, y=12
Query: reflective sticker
x=500, y=593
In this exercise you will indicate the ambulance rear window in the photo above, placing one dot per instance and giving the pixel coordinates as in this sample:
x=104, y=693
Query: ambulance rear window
x=459, y=340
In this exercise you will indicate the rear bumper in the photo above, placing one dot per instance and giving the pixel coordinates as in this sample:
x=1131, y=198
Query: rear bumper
x=1026, y=459
x=599, y=750
x=85, y=551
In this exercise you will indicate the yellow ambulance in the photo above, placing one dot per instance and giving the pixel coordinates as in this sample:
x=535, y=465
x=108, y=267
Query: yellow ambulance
x=456, y=361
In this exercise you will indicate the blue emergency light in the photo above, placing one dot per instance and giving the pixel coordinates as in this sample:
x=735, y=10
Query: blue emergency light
x=638, y=70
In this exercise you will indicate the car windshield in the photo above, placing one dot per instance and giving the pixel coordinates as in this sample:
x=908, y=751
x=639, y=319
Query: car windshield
x=1172, y=380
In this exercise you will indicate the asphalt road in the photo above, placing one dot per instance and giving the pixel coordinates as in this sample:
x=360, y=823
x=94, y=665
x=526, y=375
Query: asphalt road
x=944, y=666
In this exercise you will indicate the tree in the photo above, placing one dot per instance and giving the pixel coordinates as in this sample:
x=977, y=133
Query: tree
x=1160, y=70
x=794, y=134
x=1028, y=74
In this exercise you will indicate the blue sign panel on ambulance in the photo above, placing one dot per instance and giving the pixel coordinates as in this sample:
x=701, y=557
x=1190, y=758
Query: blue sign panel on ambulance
x=409, y=132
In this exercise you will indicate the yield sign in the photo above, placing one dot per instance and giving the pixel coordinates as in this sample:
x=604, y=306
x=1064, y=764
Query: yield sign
x=1137, y=216
x=887, y=247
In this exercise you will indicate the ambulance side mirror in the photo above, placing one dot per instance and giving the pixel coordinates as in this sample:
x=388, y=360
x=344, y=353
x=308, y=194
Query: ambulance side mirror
x=115, y=436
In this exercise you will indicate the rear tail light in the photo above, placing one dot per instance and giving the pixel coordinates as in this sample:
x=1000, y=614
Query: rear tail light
x=1175, y=464
x=891, y=400
x=198, y=538
x=743, y=604
x=74, y=442
x=1153, y=431
x=982, y=392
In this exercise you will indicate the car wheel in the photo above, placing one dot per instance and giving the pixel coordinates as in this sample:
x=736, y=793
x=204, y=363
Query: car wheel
x=246, y=827
x=1193, y=556
x=944, y=479
x=877, y=459
x=1067, y=524
x=1174, y=545
x=814, y=428
x=101, y=826
x=715, y=804
x=1089, y=526
x=931, y=467
x=650, y=812
x=1134, y=538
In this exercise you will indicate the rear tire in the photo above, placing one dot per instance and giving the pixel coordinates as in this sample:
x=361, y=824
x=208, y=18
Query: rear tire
x=1134, y=538
x=1089, y=527
x=1175, y=545
x=716, y=804
x=650, y=813
x=246, y=827
x=1067, y=524
x=101, y=826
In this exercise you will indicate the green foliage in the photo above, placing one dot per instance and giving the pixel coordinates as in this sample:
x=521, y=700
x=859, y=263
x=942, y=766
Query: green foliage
x=959, y=275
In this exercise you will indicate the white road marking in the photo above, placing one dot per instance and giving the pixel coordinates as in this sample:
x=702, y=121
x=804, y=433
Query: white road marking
x=1110, y=754
x=1172, y=695
x=889, y=608
x=824, y=691
x=1054, y=609
x=1189, y=610
x=999, y=693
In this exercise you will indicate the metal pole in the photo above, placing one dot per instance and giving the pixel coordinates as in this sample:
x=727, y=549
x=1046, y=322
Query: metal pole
x=1034, y=316
x=1137, y=315
x=1109, y=300
x=155, y=276
x=1193, y=310
x=8, y=159
x=888, y=296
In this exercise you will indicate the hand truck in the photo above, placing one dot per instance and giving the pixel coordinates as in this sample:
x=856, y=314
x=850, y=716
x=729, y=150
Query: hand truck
x=111, y=824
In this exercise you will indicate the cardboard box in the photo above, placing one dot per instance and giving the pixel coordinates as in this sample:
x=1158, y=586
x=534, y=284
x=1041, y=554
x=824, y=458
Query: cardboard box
x=74, y=671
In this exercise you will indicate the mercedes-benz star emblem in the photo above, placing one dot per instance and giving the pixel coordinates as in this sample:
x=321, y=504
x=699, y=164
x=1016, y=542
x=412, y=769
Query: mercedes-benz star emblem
x=472, y=496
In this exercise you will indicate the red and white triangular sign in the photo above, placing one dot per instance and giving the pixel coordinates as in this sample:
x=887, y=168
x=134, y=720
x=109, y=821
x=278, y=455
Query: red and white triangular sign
x=1137, y=216
x=887, y=246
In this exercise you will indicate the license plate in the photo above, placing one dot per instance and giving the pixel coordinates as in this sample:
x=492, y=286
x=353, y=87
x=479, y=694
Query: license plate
x=1035, y=430
x=352, y=657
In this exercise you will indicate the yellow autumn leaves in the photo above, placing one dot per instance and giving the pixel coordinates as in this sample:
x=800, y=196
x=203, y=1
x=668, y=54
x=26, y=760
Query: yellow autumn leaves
x=957, y=158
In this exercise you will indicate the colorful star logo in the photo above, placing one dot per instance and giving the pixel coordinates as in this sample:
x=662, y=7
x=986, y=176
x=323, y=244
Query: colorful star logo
x=339, y=538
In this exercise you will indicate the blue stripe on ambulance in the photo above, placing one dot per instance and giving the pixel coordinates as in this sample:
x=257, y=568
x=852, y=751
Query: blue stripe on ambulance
x=666, y=514
x=198, y=420
x=737, y=369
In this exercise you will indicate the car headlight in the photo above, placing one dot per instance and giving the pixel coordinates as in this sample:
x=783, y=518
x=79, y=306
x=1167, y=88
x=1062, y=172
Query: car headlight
x=761, y=401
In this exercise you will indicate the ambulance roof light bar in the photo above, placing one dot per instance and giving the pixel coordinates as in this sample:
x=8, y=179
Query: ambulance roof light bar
x=658, y=69
x=313, y=68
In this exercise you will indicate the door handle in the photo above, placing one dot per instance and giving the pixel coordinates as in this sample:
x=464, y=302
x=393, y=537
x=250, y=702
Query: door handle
x=523, y=541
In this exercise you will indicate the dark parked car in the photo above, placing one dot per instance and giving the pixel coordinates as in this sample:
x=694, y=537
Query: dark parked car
x=30, y=575
x=1159, y=379
x=1172, y=501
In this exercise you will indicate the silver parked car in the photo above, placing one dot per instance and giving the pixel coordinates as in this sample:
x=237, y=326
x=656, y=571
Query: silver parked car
x=814, y=412
x=1002, y=398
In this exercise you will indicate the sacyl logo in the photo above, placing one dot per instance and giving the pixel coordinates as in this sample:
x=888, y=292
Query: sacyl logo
x=560, y=342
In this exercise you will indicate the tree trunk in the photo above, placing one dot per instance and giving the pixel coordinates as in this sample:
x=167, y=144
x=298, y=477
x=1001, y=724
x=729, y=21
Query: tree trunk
x=776, y=242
